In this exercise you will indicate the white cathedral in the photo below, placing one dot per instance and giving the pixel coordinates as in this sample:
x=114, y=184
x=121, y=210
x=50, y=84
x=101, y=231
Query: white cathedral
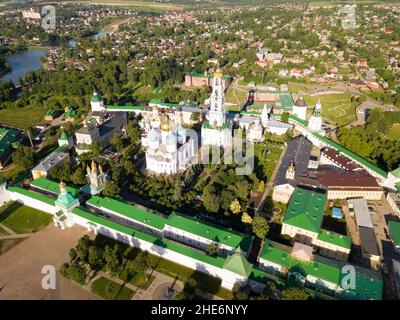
x=216, y=130
x=169, y=149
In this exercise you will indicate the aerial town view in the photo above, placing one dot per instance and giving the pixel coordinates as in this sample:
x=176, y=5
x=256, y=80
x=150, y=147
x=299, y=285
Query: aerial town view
x=210, y=150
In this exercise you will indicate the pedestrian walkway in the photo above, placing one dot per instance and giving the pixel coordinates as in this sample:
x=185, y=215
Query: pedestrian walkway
x=7, y=229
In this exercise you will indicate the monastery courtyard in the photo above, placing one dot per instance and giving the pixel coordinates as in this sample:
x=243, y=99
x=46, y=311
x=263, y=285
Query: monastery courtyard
x=21, y=266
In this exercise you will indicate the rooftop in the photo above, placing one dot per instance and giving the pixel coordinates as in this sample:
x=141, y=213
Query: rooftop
x=327, y=272
x=128, y=210
x=52, y=186
x=335, y=238
x=394, y=228
x=209, y=231
x=160, y=242
x=306, y=210
x=7, y=138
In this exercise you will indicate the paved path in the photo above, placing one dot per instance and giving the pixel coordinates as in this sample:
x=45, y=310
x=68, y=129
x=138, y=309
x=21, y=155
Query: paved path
x=6, y=229
x=271, y=180
x=15, y=236
x=21, y=266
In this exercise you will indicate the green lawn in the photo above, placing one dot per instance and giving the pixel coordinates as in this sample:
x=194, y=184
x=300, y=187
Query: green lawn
x=138, y=280
x=7, y=244
x=99, y=287
x=269, y=162
x=336, y=108
x=394, y=132
x=23, y=219
x=18, y=117
x=235, y=96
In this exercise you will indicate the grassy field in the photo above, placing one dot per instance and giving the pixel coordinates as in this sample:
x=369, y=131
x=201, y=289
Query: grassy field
x=134, y=4
x=138, y=280
x=336, y=108
x=22, y=117
x=394, y=132
x=269, y=162
x=99, y=287
x=23, y=219
x=235, y=96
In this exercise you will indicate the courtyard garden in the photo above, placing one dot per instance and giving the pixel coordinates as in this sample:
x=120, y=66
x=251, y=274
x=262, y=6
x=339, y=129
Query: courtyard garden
x=122, y=263
x=22, y=219
x=17, y=219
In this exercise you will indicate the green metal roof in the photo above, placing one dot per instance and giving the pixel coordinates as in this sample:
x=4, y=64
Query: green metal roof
x=327, y=272
x=7, y=138
x=52, y=186
x=50, y=112
x=161, y=103
x=394, y=228
x=369, y=285
x=238, y=264
x=206, y=230
x=396, y=172
x=160, y=242
x=125, y=107
x=33, y=195
x=146, y=217
x=71, y=113
x=64, y=136
x=306, y=210
x=95, y=97
x=335, y=238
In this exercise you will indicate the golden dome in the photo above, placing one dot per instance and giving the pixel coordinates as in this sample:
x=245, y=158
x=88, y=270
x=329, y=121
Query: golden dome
x=165, y=124
x=94, y=168
x=62, y=185
x=218, y=73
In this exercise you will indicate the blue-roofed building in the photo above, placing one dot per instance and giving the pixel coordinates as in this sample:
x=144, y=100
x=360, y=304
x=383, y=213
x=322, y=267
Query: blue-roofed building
x=337, y=213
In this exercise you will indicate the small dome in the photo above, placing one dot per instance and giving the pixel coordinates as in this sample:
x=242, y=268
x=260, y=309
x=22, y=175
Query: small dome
x=153, y=135
x=165, y=124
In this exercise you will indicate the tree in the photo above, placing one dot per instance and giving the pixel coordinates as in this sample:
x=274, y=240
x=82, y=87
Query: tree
x=293, y=293
x=95, y=258
x=140, y=264
x=235, y=206
x=285, y=117
x=96, y=148
x=261, y=186
x=112, y=289
x=116, y=141
x=112, y=261
x=82, y=248
x=111, y=189
x=190, y=286
x=72, y=254
x=78, y=177
x=246, y=218
x=211, y=202
x=212, y=249
x=260, y=227
x=23, y=157
x=77, y=273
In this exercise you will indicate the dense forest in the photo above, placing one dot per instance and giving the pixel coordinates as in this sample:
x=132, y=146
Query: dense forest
x=371, y=140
